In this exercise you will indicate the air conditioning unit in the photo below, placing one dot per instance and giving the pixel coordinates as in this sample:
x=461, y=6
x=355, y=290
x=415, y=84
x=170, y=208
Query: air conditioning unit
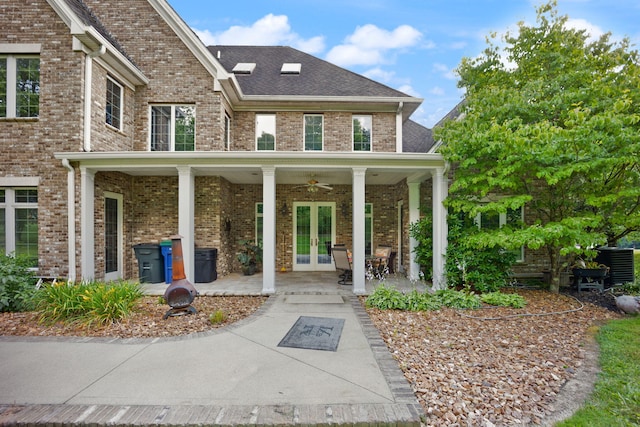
x=620, y=262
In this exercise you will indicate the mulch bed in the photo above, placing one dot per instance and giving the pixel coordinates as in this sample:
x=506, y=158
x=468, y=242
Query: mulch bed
x=493, y=365
x=146, y=322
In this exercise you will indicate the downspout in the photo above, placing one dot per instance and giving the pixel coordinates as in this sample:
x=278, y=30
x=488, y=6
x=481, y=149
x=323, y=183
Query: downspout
x=88, y=76
x=71, y=218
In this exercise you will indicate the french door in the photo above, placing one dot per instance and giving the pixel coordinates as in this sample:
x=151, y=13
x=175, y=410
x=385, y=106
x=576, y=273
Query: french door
x=314, y=234
x=113, y=236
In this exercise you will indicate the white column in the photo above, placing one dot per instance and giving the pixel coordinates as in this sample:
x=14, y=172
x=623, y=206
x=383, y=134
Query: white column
x=414, y=216
x=440, y=190
x=399, y=128
x=71, y=219
x=186, y=215
x=358, y=190
x=87, y=223
x=268, y=230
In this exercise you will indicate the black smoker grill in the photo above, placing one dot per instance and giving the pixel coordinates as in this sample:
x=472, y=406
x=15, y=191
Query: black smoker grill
x=180, y=293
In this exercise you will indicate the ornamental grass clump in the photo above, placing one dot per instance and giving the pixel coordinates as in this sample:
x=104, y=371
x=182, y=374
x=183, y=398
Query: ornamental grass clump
x=87, y=303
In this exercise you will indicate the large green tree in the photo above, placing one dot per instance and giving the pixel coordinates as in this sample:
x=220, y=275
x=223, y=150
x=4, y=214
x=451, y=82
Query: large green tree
x=550, y=123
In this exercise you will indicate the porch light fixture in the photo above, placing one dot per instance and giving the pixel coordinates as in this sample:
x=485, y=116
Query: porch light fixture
x=344, y=207
x=312, y=189
x=284, y=210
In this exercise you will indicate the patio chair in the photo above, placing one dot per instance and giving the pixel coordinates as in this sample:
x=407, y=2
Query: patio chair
x=342, y=262
x=380, y=261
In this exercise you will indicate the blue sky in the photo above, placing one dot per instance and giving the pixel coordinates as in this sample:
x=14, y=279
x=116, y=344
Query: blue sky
x=410, y=45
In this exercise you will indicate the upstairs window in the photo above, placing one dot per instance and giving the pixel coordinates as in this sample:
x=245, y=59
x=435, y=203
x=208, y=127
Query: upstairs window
x=114, y=104
x=313, y=133
x=19, y=86
x=173, y=128
x=265, y=132
x=362, y=133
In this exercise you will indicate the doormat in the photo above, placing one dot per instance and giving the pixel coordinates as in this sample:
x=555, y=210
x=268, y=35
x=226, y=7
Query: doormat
x=314, y=333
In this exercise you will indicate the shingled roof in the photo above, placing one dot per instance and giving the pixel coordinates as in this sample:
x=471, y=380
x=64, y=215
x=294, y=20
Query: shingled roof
x=87, y=16
x=316, y=78
x=416, y=138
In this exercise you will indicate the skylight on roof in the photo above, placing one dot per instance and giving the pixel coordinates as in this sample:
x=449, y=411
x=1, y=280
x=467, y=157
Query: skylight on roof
x=244, y=67
x=291, y=68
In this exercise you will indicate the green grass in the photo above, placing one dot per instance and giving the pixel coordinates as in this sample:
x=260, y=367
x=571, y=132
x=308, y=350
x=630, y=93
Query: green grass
x=616, y=398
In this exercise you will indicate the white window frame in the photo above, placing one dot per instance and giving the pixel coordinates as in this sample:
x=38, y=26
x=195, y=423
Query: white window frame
x=12, y=81
x=304, y=142
x=172, y=126
x=353, y=143
x=368, y=216
x=227, y=131
x=120, y=107
x=10, y=206
x=267, y=127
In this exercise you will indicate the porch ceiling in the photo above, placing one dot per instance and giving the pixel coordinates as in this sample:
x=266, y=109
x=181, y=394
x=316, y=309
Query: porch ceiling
x=292, y=168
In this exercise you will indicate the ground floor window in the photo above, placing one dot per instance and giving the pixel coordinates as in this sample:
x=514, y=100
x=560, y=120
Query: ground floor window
x=495, y=220
x=19, y=222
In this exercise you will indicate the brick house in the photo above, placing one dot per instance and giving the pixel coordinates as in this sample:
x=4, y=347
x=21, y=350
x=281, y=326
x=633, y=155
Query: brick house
x=119, y=127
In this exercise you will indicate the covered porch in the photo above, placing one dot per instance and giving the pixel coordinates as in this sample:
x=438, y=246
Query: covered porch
x=216, y=192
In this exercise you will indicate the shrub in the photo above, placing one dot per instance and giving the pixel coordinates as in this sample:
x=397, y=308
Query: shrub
x=217, y=317
x=17, y=284
x=458, y=299
x=422, y=232
x=386, y=298
x=480, y=269
x=87, y=303
x=422, y=301
x=503, y=300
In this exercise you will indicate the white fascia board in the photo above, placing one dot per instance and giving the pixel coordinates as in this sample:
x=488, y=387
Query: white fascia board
x=141, y=158
x=91, y=40
x=328, y=103
x=119, y=62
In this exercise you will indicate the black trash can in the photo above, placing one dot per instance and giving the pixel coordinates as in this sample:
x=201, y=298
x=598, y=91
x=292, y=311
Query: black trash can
x=150, y=264
x=205, y=264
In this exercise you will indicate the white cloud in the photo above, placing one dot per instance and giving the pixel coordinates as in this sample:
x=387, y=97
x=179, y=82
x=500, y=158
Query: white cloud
x=271, y=30
x=370, y=45
x=409, y=90
x=437, y=90
x=592, y=30
x=380, y=75
x=445, y=71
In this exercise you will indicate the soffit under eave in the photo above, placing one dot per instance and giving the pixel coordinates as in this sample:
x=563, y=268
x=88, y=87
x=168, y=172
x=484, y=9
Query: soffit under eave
x=324, y=104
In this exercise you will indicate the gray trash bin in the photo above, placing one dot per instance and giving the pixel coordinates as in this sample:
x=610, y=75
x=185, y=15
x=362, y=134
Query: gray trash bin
x=150, y=263
x=205, y=265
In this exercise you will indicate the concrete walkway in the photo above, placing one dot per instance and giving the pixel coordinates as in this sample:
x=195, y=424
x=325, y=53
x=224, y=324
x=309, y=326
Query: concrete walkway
x=233, y=376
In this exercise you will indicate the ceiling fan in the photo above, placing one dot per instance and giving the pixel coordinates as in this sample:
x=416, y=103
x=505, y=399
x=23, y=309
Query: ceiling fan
x=313, y=185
